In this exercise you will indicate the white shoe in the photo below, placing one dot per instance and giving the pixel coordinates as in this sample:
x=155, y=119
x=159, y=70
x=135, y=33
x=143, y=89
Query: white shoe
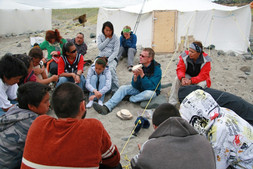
x=89, y=104
x=100, y=103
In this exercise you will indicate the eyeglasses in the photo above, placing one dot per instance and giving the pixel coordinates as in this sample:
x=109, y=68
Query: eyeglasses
x=74, y=51
x=143, y=56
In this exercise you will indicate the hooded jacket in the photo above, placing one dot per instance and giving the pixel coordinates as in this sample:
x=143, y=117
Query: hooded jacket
x=230, y=136
x=14, y=126
x=175, y=145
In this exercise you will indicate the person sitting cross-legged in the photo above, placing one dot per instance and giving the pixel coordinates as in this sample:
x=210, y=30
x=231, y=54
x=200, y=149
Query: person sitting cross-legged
x=145, y=81
x=69, y=141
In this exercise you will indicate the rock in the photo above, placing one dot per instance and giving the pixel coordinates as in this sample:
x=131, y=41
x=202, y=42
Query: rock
x=92, y=35
x=247, y=73
x=220, y=52
x=248, y=56
x=242, y=77
x=231, y=53
x=155, y=102
x=245, y=69
x=210, y=47
x=19, y=45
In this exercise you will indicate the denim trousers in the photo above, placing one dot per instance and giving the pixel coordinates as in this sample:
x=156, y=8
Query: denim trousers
x=136, y=96
x=70, y=79
x=98, y=82
x=12, y=102
x=115, y=81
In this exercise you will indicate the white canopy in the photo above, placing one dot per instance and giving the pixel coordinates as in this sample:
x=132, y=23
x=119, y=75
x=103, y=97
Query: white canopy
x=18, y=18
x=228, y=28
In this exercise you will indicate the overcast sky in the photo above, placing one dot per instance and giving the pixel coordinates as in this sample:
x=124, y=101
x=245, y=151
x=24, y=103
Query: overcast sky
x=54, y=4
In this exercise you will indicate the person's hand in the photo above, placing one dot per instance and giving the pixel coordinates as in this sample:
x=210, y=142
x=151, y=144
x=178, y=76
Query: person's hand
x=38, y=71
x=139, y=72
x=77, y=79
x=185, y=81
x=54, y=53
x=54, y=78
x=139, y=146
x=97, y=94
x=92, y=97
x=127, y=35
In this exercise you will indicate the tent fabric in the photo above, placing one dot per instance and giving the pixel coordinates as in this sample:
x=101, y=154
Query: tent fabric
x=17, y=18
x=228, y=28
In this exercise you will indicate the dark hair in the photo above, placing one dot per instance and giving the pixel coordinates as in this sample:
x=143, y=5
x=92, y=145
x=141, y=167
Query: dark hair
x=31, y=93
x=24, y=58
x=11, y=66
x=109, y=25
x=66, y=100
x=199, y=44
x=36, y=53
x=163, y=112
x=80, y=34
x=102, y=61
x=66, y=48
x=150, y=51
x=53, y=35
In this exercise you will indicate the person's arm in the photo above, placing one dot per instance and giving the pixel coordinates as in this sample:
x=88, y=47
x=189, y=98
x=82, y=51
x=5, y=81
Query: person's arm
x=88, y=78
x=53, y=78
x=79, y=70
x=115, y=49
x=110, y=153
x=203, y=74
x=131, y=42
x=102, y=43
x=108, y=82
x=150, y=83
x=181, y=69
x=5, y=103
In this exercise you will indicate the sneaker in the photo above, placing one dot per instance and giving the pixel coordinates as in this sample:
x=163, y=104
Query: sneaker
x=130, y=68
x=100, y=109
x=100, y=102
x=89, y=104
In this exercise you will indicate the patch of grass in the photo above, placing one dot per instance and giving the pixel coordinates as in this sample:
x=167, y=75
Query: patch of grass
x=64, y=14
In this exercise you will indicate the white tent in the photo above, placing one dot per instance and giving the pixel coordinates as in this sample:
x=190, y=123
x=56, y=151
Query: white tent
x=167, y=24
x=17, y=18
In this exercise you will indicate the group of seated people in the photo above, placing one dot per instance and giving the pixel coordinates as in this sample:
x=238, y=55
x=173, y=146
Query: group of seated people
x=212, y=129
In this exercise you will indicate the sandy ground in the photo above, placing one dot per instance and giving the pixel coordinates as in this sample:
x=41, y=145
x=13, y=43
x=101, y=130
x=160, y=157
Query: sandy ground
x=226, y=75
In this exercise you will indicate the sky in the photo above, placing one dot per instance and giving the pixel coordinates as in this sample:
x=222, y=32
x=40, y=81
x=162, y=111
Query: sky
x=56, y=4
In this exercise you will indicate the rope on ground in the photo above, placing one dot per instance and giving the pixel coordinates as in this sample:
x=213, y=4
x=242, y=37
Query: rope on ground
x=139, y=121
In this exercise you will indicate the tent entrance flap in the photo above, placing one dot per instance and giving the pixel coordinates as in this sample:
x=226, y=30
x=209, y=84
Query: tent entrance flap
x=164, y=31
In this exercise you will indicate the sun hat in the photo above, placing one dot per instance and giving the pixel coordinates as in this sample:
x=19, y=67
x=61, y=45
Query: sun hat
x=124, y=114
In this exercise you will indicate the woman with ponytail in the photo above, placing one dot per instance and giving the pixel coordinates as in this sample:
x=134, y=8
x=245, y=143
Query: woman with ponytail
x=98, y=81
x=53, y=44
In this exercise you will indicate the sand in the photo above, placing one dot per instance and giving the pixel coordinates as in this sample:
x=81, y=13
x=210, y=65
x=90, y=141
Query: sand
x=225, y=75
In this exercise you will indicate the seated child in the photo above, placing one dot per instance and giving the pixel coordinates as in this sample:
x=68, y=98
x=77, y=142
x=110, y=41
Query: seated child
x=11, y=71
x=39, y=70
x=33, y=100
x=27, y=60
x=98, y=81
x=70, y=66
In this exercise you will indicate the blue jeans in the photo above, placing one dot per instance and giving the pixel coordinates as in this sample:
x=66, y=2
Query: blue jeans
x=100, y=79
x=70, y=79
x=136, y=96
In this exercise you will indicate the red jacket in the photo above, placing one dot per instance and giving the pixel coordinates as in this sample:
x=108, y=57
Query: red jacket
x=68, y=143
x=204, y=72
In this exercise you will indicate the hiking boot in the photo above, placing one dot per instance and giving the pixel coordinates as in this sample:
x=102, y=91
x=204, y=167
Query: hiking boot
x=100, y=109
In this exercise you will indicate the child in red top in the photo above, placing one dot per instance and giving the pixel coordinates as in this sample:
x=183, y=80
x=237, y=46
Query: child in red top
x=70, y=66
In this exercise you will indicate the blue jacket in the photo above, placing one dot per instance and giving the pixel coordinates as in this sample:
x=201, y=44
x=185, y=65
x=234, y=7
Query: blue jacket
x=128, y=43
x=153, y=75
